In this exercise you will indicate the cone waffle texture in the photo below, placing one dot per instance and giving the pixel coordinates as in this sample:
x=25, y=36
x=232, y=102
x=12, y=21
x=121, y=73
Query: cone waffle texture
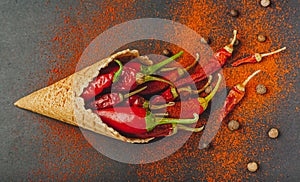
x=62, y=100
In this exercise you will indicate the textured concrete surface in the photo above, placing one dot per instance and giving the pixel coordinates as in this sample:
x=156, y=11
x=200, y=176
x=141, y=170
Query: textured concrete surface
x=22, y=28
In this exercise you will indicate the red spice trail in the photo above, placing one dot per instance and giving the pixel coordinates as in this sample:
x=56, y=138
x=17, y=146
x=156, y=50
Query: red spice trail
x=231, y=151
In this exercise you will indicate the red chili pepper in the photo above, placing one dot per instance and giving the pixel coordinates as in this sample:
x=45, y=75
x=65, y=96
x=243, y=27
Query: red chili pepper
x=101, y=82
x=234, y=96
x=111, y=99
x=139, y=101
x=257, y=57
x=167, y=96
x=134, y=74
x=202, y=102
x=136, y=120
x=172, y=93
x=217, y=61
x=172, y=74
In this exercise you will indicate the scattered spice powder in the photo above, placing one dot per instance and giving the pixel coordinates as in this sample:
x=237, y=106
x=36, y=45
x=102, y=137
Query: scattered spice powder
x=229, y=152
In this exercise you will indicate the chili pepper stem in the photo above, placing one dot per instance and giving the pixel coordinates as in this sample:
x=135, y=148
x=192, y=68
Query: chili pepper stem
x=229, y=47
x=178, y=121
x=152, y=69
x=161, y=114
x=182, y=127
x=204, y=101
x=214, y=91
x=134, y=92
x=194, y=63
x=250, y=77
x=189, y=89
x=142, y=79
x=206, y=85
x=234, y=37
x=168, y=69
x=273, y=52
x=162, y=106
x=118, y=73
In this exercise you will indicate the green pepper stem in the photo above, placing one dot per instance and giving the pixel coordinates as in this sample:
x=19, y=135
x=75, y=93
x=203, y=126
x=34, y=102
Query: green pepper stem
x=134, y=92
x=234, y=37
x=194, y=63
x=161, y=114
x=249, y=78
x=189, y=89
x=168, y=69
x=214, y=91
x=206, y=85
x=183, y=127
x=162, y=106
x=274, y=52
x=118, y=73
x=152, y=69
x=229, y=47
x=178, y=121
x=148, y=78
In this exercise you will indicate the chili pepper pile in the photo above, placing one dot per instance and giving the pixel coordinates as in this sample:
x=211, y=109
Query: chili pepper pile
x=132, y=114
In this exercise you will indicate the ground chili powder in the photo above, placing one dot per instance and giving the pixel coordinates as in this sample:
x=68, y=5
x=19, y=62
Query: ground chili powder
x=230, y=151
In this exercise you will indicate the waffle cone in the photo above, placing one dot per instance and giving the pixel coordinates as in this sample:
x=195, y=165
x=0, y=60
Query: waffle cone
x=62, y=100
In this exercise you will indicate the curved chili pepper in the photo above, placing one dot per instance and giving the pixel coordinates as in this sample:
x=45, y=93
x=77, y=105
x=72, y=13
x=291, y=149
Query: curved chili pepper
x=126, y=77
x=218, y=60
x=172, y=74
x=167, y=130
x=234, y=96
x=101, y=82
x=167, y=96
x=134, y=74
x=202, y=102
x=136, y=120
x=139, y=101
x=111, y=99
x=172, y=93
x=257, y=57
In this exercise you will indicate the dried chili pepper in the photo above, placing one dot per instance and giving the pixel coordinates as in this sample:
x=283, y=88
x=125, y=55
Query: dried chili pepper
x=167, y=96
x=257, y=57
x=202, y=102
x=125, y=77
x=134, y=74
x=218, y=59
x=172, y=93
x=111, y=99
x=234, y=96
x=136, y=120
x=167, y=130
x=101, y=82
x=171, y=74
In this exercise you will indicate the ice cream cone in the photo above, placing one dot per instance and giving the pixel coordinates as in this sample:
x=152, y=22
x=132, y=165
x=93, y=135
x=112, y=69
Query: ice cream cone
x=62, y=100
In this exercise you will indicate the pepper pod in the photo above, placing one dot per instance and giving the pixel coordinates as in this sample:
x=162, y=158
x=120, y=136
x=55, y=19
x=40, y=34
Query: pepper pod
x=138, y=122
x=255, y=58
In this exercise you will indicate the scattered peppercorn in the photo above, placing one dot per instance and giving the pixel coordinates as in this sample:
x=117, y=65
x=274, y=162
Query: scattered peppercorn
x=252, y=166
x=261, y=38
x=208, y=89
x=273, y=133
x=261, y=89
x=234, y=13
x=265, y=3
x=167, y=52
x=236, y=41
x=233, y=125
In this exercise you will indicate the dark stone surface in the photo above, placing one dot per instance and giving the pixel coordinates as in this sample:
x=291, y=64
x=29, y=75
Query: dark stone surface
x=22, y=28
